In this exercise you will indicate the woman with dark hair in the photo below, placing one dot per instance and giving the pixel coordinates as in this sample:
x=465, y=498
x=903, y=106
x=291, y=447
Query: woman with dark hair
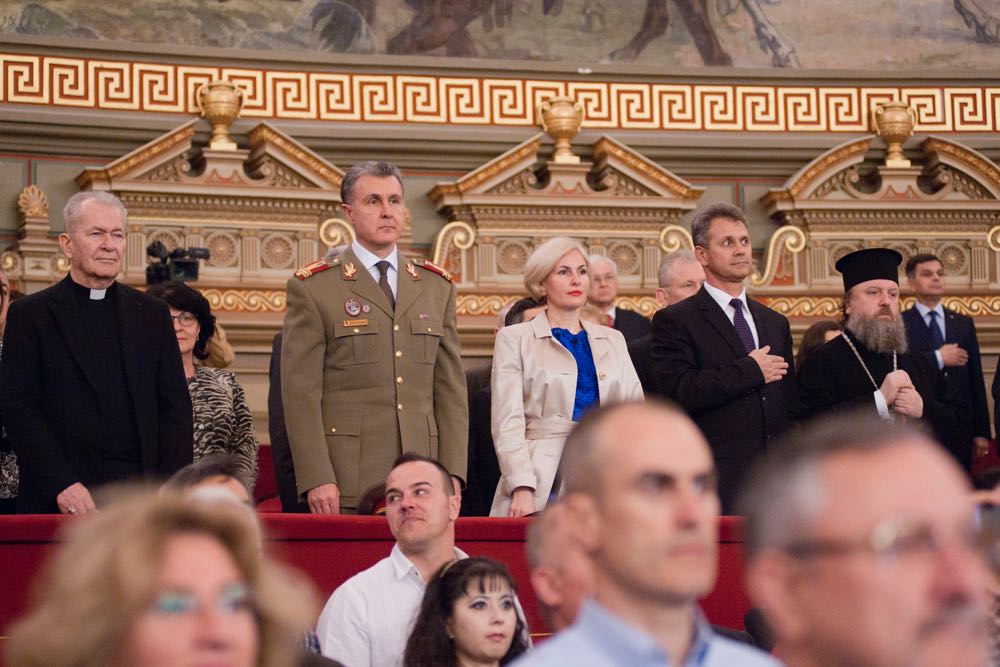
x=814, y=338
x=222, y=420
x=468, y=617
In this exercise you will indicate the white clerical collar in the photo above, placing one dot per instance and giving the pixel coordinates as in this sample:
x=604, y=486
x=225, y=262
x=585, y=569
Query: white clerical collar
x=98, y=294
x=369, y=259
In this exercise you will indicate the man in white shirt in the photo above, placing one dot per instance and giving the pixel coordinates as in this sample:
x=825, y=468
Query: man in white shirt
x=367, y=620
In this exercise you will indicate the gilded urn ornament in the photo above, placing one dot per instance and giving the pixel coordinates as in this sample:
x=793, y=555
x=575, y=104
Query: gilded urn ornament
x=561, y=118
x=220, y=102
x=894, y=122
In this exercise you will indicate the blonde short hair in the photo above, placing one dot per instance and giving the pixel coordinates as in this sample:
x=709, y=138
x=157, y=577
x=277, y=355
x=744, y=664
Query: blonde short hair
x=105, y=575
x=545, y=258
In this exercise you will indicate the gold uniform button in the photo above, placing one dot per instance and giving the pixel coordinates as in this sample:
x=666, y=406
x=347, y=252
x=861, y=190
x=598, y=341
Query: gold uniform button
x=357, y=331
x=395, y=327
x=399, y=406
x=428, y=329
x=399, y=380
x=333, y=430
x=399, y=353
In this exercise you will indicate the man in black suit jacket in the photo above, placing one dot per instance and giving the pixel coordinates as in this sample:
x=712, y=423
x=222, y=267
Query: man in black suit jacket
x=953, y=349
x=93, y=389
x=679, y=277
x=731, y=369
x=604, y=291
x=281, y=451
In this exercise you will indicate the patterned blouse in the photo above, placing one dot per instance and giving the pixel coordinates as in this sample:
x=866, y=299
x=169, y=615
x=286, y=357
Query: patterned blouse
x=222, y=420
x=587, y=392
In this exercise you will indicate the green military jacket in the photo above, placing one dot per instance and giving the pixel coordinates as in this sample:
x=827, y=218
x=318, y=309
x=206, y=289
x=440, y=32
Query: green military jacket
x=362, y=382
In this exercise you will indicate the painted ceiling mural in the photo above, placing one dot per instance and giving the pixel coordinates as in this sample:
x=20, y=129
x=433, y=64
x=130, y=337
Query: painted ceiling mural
x=811, y=34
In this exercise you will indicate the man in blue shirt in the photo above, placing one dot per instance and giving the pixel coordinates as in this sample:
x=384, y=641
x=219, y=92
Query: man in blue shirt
x=640, y=479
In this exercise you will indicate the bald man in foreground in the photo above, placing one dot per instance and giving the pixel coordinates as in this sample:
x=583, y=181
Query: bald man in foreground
x=641, y=477
x=862, y=549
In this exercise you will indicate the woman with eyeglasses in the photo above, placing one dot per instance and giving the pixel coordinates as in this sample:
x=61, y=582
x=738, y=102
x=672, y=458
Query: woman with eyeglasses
x=157, y=581
x=222, y=420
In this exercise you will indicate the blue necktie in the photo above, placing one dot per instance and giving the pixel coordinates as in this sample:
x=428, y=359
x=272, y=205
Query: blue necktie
x=937, y=339
x=742, y=326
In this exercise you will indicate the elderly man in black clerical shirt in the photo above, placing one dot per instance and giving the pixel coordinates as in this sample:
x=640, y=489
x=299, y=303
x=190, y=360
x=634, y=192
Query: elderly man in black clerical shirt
x=93, y=389
x=868, y=364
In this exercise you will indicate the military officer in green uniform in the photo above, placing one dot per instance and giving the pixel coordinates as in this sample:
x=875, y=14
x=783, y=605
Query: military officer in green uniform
x=370, y=363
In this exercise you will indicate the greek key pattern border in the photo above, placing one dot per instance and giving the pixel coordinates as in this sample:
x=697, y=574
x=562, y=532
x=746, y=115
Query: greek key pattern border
x=120, y=85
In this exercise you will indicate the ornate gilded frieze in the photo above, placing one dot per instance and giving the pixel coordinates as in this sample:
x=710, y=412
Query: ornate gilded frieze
x=139, y=86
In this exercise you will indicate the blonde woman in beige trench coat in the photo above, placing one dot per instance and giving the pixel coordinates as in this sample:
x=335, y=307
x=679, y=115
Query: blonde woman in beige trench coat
x=534, y=378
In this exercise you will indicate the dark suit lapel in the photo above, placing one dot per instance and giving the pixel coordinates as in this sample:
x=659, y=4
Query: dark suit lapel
x=918, y=328
x=766, y=334
x=365, y=286
x=718, y=319
x=951, y=327
x=131, y=335
x=69, y=319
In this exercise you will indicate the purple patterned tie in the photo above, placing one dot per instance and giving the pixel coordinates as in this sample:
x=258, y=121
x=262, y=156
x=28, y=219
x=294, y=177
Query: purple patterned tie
x=742, y=326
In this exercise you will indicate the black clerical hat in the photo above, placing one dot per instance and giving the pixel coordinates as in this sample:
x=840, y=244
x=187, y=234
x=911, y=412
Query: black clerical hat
x=869, y=264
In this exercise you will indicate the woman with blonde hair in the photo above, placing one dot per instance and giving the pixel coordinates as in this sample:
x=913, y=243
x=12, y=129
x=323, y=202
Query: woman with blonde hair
x=163, y=581
x=547, y=373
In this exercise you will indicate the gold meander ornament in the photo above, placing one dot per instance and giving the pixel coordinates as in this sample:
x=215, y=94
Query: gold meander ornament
x=220, y=102
x=561, y=118
x=894, y=122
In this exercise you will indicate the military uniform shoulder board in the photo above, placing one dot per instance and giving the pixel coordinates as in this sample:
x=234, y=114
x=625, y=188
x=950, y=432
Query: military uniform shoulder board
x=432, y=267
x=318, y=266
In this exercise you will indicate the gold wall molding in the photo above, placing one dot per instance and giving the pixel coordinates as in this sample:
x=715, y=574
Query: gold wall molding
x=127, y=85
x=245, y=300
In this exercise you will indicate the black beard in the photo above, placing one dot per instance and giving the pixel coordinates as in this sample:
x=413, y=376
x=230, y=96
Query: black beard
x=878, y=335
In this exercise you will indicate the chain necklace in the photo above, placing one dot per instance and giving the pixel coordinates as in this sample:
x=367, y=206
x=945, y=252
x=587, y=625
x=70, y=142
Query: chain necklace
x=862, y=361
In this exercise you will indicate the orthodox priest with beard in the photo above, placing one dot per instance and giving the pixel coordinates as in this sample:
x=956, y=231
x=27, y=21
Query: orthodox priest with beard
x=867, y=365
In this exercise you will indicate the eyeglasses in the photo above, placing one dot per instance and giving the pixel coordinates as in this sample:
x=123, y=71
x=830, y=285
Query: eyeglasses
x=892, y=539
x=234, y=598
x=186, y=319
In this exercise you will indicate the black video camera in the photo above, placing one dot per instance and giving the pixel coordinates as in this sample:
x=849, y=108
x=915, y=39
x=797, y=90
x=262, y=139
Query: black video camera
x=177, y=264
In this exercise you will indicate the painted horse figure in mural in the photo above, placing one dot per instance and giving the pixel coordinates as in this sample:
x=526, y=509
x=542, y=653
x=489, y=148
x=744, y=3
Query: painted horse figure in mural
x=695, y=16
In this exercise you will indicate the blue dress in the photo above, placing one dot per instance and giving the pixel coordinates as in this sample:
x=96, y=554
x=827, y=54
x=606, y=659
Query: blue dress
x=587, y=393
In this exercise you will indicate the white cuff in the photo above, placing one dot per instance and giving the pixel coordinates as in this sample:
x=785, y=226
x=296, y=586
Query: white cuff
x=940, y=360
x=881, y=405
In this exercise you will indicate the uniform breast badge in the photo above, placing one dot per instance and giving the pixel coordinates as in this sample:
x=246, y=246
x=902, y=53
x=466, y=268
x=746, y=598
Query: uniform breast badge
x=365, y=308
x=352, y=307
x=350, y=271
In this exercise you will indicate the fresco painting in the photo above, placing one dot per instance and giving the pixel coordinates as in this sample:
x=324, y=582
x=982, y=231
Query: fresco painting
x=807, y=34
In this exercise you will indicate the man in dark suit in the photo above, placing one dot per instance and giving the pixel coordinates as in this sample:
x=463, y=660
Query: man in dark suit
x=93, y=389
x=680, y=276
x=281, y=451
x=724, y=358
x=947, y=342
x=604, y=291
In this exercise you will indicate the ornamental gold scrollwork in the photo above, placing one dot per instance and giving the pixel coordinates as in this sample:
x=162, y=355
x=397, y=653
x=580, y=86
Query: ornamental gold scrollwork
x=336, y=232
x=459, y=234
x=803, y=306
x=789, y=238
x=675, y=237
x=33, y=203
x=246, y=301
x=481, y=304
x=993, y=238
x=644, y=305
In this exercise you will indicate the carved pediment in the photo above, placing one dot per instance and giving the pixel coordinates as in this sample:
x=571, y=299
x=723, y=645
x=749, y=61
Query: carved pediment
x=619, y=204
x=946, y=202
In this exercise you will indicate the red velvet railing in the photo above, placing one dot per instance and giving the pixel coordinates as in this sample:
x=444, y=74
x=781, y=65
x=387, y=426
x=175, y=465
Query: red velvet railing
x=331, y=549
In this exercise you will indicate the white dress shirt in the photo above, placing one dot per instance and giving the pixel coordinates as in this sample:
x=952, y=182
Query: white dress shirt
x=925, y=314
x=367, y=620
x=723, y=299
x=369, y=259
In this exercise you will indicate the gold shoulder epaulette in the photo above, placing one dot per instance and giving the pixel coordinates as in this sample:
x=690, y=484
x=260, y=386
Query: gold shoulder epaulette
x=318, y=266
x=432, y=267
